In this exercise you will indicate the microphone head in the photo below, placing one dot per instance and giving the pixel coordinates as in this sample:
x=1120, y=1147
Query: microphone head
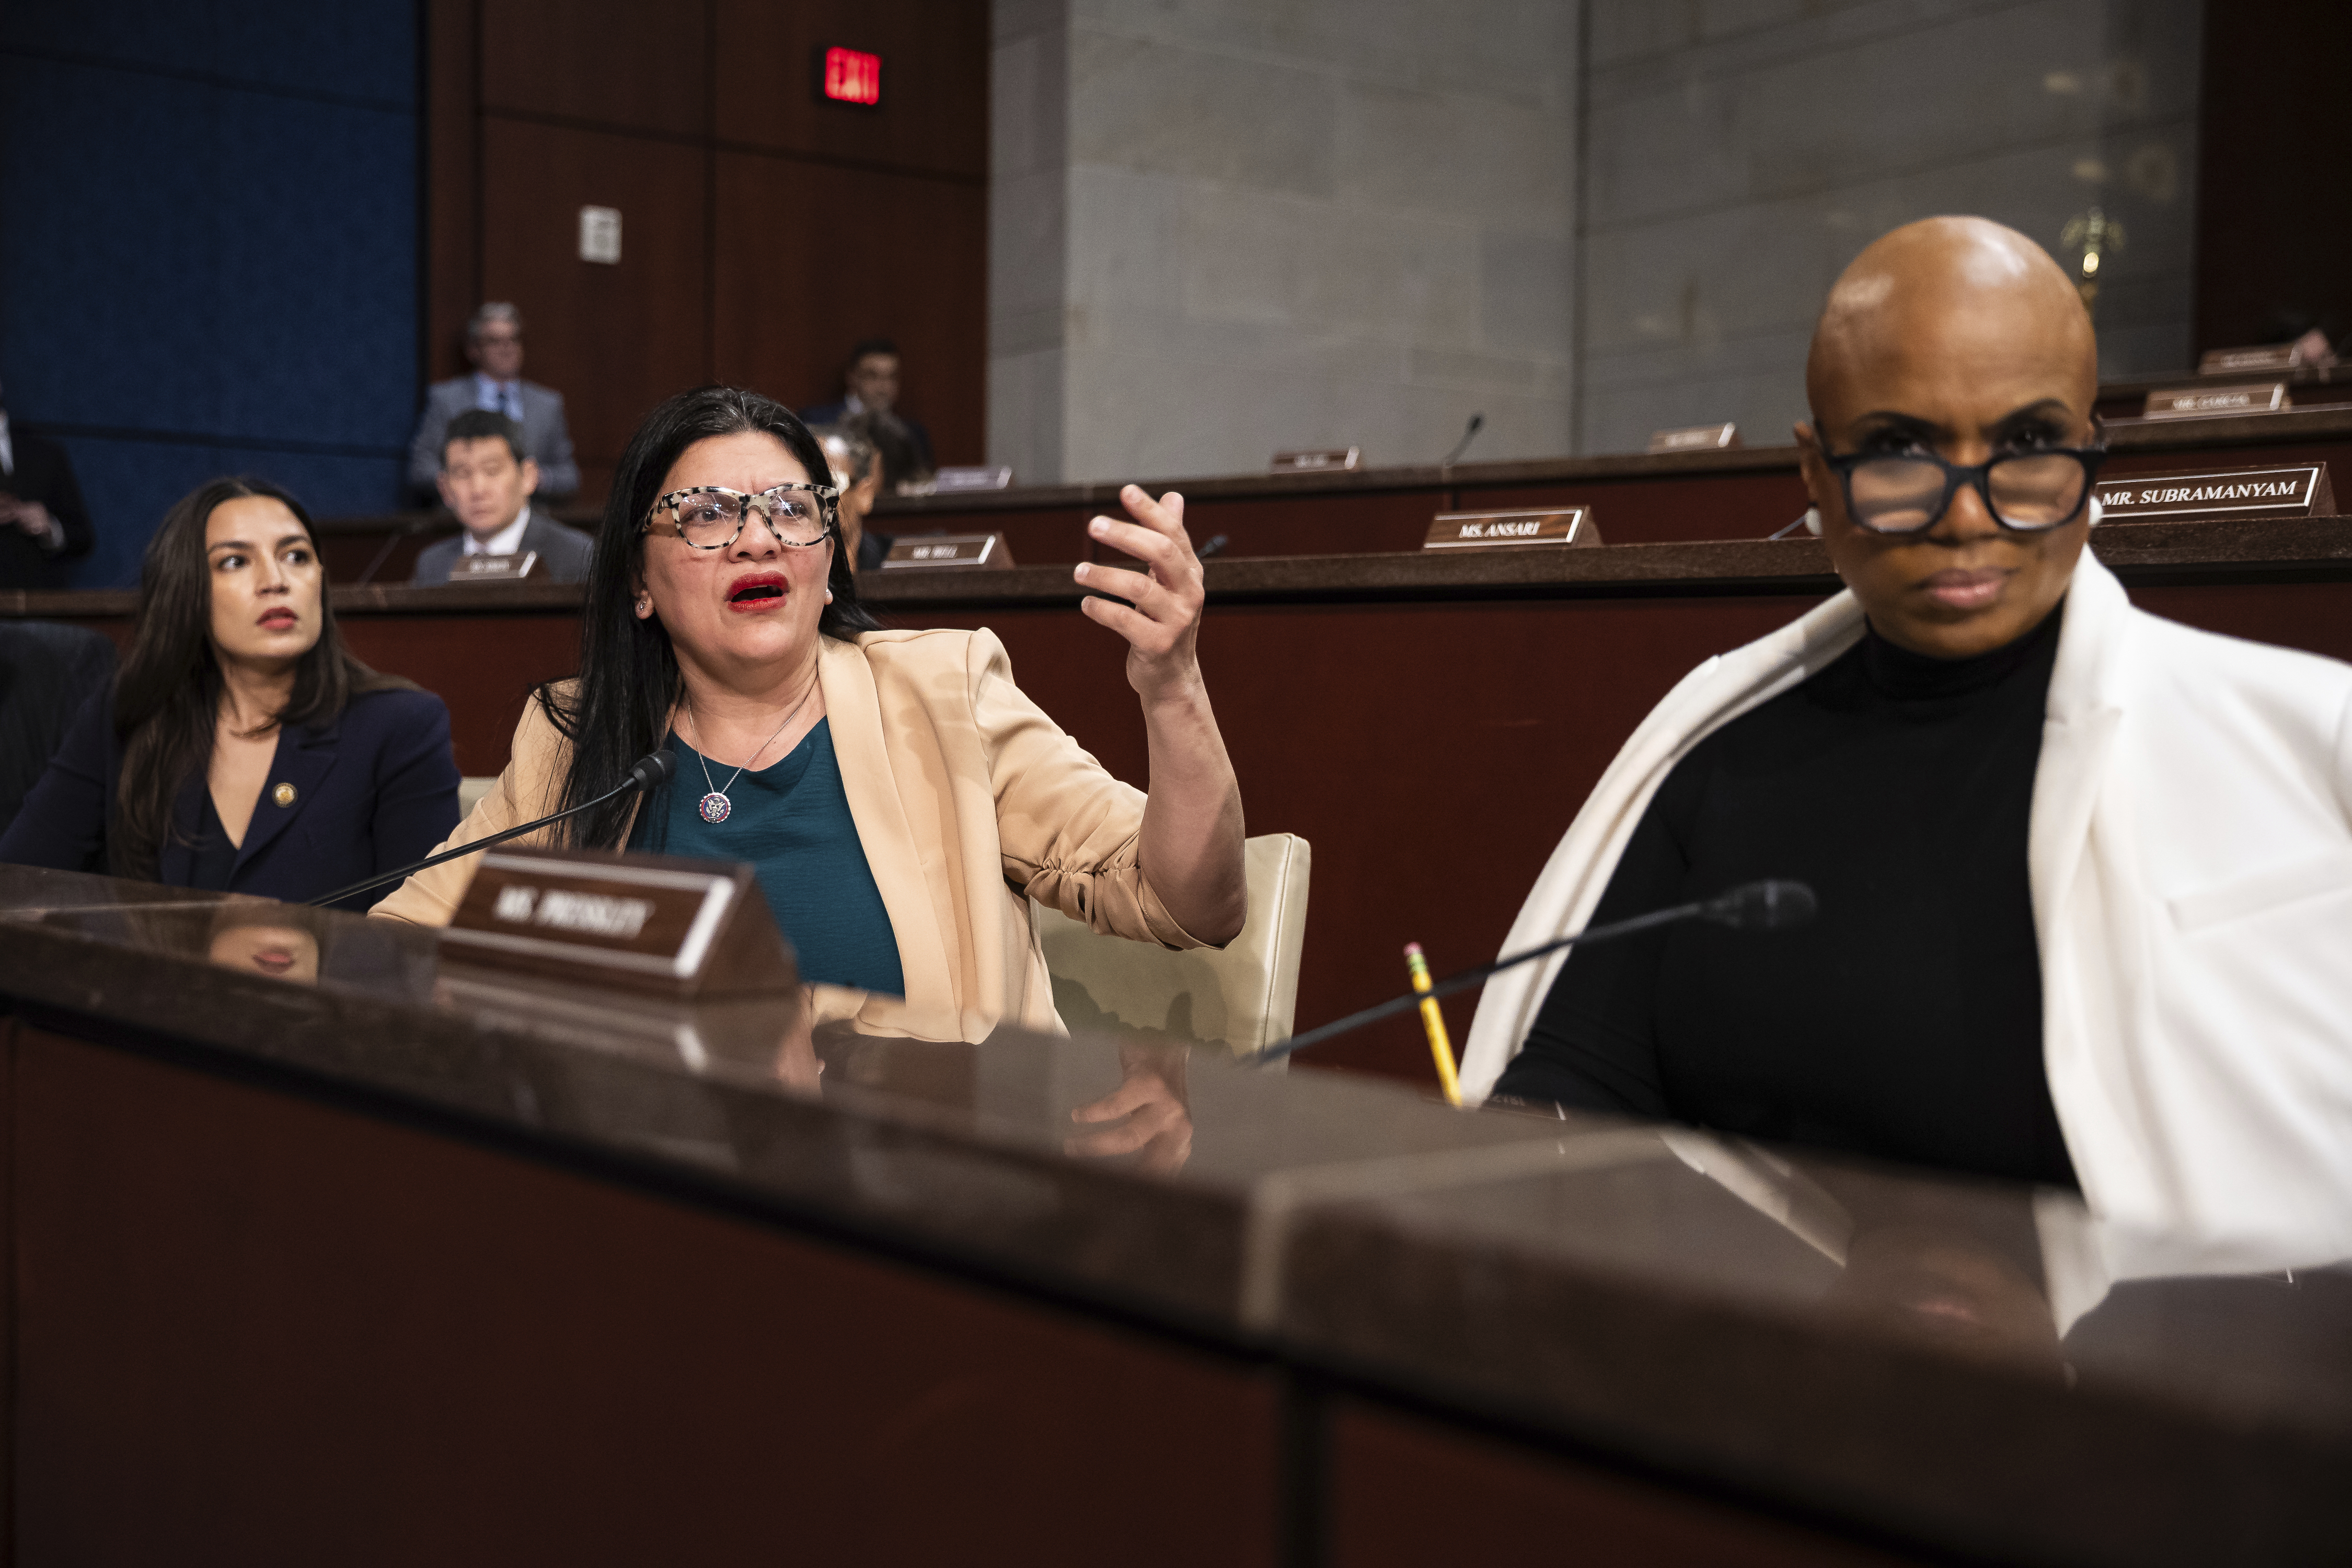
x=653, y=770
x=1772, y=905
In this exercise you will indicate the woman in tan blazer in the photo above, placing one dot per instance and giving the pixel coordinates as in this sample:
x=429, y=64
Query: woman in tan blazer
x=901, y=797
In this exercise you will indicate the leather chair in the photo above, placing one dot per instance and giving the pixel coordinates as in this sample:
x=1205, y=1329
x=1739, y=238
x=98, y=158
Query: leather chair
x=470, y=791
x=1244, y=997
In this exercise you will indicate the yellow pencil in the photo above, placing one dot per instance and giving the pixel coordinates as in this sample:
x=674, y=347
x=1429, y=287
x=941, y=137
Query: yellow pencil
x=1435, y=1022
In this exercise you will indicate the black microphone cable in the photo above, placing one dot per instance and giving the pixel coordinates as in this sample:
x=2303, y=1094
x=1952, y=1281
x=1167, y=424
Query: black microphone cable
x=1773, y=905
x=650, y=772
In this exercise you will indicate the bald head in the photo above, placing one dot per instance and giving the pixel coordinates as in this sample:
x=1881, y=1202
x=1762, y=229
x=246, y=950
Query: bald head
x=1966, y=292
x=1956, y=342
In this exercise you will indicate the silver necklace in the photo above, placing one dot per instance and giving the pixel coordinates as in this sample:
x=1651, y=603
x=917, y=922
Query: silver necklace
x=715, y=807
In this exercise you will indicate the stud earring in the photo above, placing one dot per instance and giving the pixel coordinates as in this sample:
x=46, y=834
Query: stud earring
x=828, y=595
x=1813, y=521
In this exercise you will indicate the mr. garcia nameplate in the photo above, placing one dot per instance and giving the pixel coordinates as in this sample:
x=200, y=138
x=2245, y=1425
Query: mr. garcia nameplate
x=2301, y=489
x=1501, y=529
x=2213, y=402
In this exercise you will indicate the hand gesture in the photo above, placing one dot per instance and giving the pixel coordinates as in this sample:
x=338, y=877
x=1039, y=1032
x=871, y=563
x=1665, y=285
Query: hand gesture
x=1161, y=618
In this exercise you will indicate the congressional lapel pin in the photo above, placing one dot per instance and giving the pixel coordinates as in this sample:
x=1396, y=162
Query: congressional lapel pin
x=283, y=794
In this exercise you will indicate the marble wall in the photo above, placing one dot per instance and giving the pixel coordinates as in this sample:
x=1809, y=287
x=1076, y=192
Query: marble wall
x=1738, y=152
x=1224, y=226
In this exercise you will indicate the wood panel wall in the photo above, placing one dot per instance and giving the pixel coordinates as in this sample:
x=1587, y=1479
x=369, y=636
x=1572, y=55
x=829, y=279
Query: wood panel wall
x=2271, y=229
x=764, y=230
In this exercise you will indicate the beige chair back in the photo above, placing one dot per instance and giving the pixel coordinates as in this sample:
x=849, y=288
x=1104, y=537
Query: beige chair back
x=1244, y=997
x=470, y=791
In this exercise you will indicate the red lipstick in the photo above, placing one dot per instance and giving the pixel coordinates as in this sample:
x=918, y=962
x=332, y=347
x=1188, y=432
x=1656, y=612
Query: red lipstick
x=755, y=593
x=278, y=618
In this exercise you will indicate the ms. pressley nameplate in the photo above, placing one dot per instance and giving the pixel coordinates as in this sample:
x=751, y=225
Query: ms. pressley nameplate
x=2298, y=490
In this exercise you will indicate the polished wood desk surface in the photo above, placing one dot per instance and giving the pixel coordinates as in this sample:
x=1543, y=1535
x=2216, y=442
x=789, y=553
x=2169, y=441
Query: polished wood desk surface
x=1932, y=1365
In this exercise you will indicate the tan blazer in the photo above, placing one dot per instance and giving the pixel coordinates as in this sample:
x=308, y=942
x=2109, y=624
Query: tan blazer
x=968, y=802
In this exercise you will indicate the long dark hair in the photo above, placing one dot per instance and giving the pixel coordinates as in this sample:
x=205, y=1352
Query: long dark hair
x=619, y=709
x=167, y=699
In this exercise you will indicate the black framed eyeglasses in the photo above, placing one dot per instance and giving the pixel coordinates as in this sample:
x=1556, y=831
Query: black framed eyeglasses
x=711, y=517
x=2026, y=492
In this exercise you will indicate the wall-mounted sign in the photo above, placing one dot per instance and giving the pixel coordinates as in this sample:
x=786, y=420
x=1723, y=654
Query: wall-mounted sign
x=1495, y=530
x=2209, y=402
x=849, y=76
x=1694, y=439
x=600, y=234
x=1317, y=459
x=2300, y=490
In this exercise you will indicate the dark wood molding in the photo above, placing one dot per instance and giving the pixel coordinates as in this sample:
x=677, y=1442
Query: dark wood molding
x=452, y=280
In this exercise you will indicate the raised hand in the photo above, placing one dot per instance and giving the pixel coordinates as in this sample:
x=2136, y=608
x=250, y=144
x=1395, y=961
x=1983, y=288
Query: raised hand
x=1161, y=618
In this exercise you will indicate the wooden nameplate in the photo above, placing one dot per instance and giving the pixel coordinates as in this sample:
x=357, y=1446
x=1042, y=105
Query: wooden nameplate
x=1317, y=461
x=493, y=568
x=1570, y=525
x=929, y=549
x=2292, y=489
x=1694, y=439
x=2213, y=402
x=643, y=922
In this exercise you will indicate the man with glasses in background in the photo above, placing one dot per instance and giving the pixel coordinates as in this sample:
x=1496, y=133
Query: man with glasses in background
x=494, y=348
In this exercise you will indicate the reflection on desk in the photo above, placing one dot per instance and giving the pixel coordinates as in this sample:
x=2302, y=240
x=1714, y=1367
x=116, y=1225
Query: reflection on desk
x=1963, y=1365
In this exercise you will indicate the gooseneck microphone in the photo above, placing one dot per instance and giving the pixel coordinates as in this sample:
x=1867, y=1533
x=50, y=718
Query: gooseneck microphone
x=650, y=773
x=1773, y=905
x=1469, y=434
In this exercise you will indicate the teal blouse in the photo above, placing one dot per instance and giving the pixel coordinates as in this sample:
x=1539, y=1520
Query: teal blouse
x=791, y=821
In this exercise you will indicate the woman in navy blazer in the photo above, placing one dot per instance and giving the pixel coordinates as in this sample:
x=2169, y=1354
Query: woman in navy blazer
x=242, y=748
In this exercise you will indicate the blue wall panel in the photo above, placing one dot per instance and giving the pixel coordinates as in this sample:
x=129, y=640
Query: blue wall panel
x=208, y=249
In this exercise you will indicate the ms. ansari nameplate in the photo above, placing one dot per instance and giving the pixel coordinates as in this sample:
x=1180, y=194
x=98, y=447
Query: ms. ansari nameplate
x=1502, y=529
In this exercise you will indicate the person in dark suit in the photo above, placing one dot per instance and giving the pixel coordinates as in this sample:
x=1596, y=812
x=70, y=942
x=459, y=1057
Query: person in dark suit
x=47, y=673
x=869, y=403
x=486, y=480
x=494, y=348
x=242, y=748
x=43, y=522
x=857, y=475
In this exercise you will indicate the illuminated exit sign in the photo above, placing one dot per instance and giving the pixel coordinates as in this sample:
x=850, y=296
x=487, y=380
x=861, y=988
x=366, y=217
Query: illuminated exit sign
x=850, y=75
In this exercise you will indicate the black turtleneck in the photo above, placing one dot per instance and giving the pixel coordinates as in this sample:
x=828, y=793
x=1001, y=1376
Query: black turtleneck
x=1905, y=1021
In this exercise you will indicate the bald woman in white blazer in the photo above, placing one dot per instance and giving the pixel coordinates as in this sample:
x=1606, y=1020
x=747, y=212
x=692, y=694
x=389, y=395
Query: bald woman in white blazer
x=2188, y=849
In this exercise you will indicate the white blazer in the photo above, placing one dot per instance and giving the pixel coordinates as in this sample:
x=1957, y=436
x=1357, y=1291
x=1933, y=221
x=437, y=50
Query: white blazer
x=2190, y=857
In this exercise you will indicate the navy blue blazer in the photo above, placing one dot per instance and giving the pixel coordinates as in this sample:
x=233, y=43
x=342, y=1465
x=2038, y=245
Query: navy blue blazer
x=373, y=791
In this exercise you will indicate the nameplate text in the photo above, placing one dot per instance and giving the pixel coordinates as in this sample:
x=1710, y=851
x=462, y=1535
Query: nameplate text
x=2268, y=360
x=954, y=482
x=1694, y=439
x=947, y=549
x=643, y=922
x=1499, y=530
x=493, y=568
x=2301, y=489
x=1317, y=461
x=2212, y=402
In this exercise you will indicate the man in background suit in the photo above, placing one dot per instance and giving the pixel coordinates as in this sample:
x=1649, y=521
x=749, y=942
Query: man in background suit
x=494, y=347
x=869, y=405
x=486, y=480
x=43, y=522
x=47, y=673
